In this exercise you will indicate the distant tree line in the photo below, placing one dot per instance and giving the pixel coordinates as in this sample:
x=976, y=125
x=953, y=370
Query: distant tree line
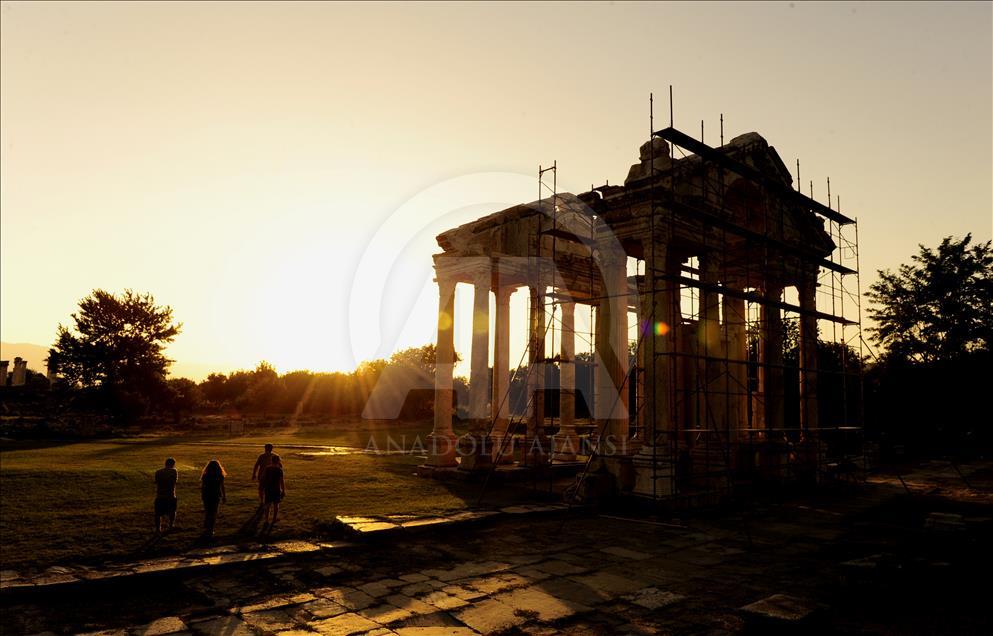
x=111, y=359
x=263, y=391
x=933, y=326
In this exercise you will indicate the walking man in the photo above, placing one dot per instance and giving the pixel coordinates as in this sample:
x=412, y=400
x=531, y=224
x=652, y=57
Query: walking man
x=165, y=494
x=273, y=491
x=265, y=460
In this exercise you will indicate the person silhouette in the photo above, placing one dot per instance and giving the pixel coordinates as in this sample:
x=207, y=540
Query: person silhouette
x=273, y=491
x=165, y=494
x=212, y=493
x=263, y=462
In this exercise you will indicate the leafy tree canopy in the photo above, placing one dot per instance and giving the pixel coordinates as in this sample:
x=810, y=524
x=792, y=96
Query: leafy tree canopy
x=938, y=307
x=117, y=341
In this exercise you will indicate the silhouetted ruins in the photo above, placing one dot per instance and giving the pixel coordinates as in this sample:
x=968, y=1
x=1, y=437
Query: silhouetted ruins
x=693, y=270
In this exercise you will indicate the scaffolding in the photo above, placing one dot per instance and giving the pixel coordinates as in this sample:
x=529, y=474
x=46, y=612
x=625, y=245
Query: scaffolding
x=694, y=452
x=777, y=413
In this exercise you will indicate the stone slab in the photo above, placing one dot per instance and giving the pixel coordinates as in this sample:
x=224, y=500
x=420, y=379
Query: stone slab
x=296, y=547
x=653, y=598
x=463, y=592
x=323, y=608
x=347, y=597
x=385, y=613
x=227, y=625
x=412, y=605
x=421, y=523
x=343, y=625
x=374, y=527
x=544, y=606
x=497, y=582
x=329, y=570
x=780, y=608
x=275, y=602
x=608, y=585
x=415, y=589
x=490, y=616
x=434, y=631
x=558, y=567
x=625, y=553
x=270, y=620
x=443, y=600
x=380, y=588
x=166, y=625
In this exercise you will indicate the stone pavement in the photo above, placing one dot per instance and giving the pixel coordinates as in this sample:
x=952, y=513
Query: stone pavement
x=233, y=555
x=856, y=561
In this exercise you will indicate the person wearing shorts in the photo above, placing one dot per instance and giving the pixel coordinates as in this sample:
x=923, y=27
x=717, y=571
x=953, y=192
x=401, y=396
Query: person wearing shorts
x=264, y=461
x=165, y=494
x=273, y=490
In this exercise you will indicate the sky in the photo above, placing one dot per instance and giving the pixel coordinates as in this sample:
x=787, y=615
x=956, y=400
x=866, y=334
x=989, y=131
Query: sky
x=276, y=173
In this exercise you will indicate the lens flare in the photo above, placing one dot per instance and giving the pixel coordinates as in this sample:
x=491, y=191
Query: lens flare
x=661, y=328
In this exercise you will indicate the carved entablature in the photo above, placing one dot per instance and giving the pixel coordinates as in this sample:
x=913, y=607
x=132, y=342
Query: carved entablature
x=694, y=205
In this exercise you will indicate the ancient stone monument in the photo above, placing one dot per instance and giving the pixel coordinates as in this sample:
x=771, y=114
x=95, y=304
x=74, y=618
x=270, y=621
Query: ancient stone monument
x=691, y=268
x=20, y=373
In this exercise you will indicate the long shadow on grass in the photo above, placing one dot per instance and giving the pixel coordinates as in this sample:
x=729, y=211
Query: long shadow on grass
x=37, y=444
x=122, y=446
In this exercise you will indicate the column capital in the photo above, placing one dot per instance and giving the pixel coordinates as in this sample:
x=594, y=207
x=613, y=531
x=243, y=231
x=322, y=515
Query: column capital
x=667, y=260
x=612, y=255
x=709, y=260
x=503, y=293
x=482, y=276
x=808, y=278
x=772, y=289
x=445, y=280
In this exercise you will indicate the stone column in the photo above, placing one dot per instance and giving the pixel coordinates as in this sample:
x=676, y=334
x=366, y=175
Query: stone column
x=808, y=352
x=638, y=374
x=737, y=380
x=503, y=451
x=713, y=408
x=598, y=370
x=566, y=441
x=441, y=441
x=51, y=374
x=3, y=372
x=771, y=359
x=476, y=446
x=658, y=302
x=612, y=350
x=20, y=374
x=535, y=443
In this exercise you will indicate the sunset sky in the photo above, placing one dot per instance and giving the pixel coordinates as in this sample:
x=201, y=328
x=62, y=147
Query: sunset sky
x=277, y=172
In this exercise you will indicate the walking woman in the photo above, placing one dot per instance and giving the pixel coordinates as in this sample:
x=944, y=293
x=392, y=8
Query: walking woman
x=212, y=493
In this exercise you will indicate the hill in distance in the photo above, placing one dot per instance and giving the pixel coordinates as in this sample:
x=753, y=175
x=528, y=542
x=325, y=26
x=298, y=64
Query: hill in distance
x=36, y=354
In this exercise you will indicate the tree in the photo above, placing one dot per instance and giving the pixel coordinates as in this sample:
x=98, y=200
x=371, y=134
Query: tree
x=411, y=371
x=214, y=388
x=181, y=395
x=934, y=317
x=422, y=358
x=265, y=390
x=939, y=306
x=116, y=344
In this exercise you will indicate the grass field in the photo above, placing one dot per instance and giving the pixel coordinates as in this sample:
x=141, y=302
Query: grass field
x=80, y=502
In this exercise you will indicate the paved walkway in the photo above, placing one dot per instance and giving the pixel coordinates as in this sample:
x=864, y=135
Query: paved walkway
x=867, y=561
x=208, y=558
